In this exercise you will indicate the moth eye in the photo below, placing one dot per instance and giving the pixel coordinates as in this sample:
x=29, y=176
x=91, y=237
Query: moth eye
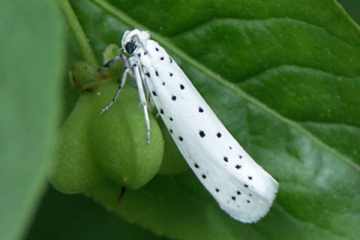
x=130, y=47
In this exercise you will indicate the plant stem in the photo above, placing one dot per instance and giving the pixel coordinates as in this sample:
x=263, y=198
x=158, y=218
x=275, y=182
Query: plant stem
x=117, y=13
x=78, y=31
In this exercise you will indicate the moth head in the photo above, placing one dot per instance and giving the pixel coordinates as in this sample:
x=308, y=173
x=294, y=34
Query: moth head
x=134, y=39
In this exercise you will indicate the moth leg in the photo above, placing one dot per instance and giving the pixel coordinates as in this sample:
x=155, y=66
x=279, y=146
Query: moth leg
x=143, y=102
x=117, y=93
x=147, y=123
x=120, y=57
x=146, y=88
x=149, y=101
x=111, y=62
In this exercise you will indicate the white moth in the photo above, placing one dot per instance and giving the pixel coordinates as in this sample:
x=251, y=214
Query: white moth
x=241, y=187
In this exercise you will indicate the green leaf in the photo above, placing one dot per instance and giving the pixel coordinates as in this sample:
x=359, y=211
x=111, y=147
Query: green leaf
x=74, y=217
x=31, y=65
x=284, y=77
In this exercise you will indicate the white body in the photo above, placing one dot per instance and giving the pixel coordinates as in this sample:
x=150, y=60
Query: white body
x=241, y=187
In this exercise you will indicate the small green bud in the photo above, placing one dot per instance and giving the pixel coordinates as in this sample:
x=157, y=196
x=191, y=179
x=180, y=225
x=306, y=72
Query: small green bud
x=110, y=52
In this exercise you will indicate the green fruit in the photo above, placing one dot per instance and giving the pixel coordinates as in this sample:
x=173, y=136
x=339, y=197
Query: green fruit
x=123, y=152
x=74, y=170
x=107, y=148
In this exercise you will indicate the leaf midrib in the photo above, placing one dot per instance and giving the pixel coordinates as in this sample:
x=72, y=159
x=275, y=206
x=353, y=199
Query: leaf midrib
x=300, y=67
x=213, y=20
x=121, y=16
x=295, y=218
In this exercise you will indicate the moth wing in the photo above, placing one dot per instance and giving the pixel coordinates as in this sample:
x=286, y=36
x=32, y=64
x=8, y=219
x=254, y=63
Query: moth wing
x=240, y=186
